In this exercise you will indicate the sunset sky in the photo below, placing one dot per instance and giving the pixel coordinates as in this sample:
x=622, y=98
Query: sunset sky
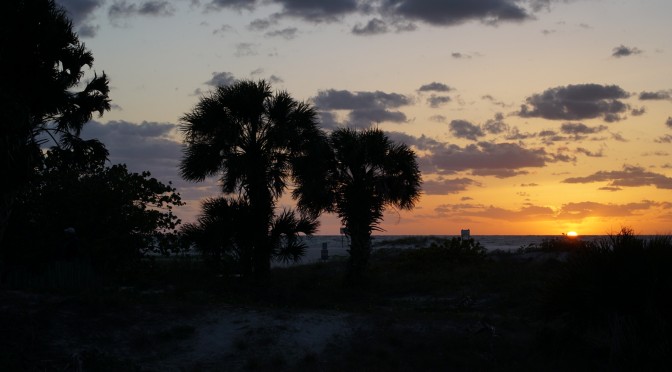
x=528, y=116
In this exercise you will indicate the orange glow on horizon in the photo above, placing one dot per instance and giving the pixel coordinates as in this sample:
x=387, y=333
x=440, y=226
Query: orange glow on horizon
x=572, y=234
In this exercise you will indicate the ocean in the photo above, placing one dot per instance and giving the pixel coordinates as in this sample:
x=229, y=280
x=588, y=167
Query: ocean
x=337, y=245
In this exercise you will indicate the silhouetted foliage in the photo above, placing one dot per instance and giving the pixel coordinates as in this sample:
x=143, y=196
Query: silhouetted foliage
x=42, y=63
x=256, y=141
x=117, y=215
x=368, y=174
x=556, y=245
x=221, y=233
x=617, y=288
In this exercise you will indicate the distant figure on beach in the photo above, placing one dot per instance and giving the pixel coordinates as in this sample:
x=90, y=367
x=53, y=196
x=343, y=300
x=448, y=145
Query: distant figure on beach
x=465, y=233
x=70, y=246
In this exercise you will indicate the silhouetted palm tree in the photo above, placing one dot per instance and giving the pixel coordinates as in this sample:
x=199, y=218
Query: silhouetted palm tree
x=369, y=173
x=221, y=234
x=42, y=63
x=253, y=140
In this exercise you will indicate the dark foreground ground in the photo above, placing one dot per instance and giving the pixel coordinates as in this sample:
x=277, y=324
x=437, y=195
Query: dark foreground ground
x=416, y=312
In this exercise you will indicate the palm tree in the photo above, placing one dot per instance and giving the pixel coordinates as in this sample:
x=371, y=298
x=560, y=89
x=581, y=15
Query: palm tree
x=220, y=234
x=369, y=173
x=253, y=140
x=41, y=72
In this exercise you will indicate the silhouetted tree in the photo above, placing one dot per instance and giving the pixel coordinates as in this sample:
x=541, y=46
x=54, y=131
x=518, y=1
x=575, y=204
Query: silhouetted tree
x=221, y=236
x=369, y=173
x=42, y=63
x=118, y=215
x=254, y=140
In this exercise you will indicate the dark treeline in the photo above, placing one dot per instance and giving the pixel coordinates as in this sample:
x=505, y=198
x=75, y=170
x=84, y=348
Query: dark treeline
x=259, y=143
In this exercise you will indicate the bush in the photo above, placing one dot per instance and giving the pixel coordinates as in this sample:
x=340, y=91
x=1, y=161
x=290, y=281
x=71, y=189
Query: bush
x=557, y=244
x=454, y=250
x=617, y=289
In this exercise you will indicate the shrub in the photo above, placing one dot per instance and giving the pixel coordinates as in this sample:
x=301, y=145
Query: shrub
x=447, y=250
x=617, y=289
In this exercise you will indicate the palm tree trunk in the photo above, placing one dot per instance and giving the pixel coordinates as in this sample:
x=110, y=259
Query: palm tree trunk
x=360, y=252
x=261, y=204
x=5, y=213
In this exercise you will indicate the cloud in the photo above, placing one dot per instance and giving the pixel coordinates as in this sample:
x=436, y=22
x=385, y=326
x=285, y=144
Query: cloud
x=365, y=108
x=514, y=134
x=618, y=137
x=317, y=10
x=422, y=143
x=656, y=153
x=610, y=188
x=448, y=186
x=245, y=49
x=459, y=55
x=464, y=129
x=580, y=128
x=668, y=122
x=496, y=125
x=623, y=51
x=374, y=27
x=224, y=29
x=144, y=146
x=274, y=79
x=492, y=99
x=576, y=102
x=527, y=213
x=484, y=156
x=438, y=118
x=328, y=120
x=447, y=13
x=582, y=210
x=221, y=79
x=332, y=99
x=80, y=10
x=483, y=159
x=654, y=96
x=262, y=24
x=630, y=176
x=575, y=212
x=638, y=111
x=363, y=118
x=664, y=139
x=234, y=4
x=156, y=8
x=499, y=172
x=435, y=87
x=401, y=25
x=81, y=14
x=88, y=30
x=589, y=153
x=437, y=101
x=286, y=33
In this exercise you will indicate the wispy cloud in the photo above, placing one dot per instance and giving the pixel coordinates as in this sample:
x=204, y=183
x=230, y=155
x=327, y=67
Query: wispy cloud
x=630, y=176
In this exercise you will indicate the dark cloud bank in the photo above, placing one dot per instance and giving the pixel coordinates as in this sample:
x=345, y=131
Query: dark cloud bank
x=396, y=15
x=365, y=108
x=577, y=102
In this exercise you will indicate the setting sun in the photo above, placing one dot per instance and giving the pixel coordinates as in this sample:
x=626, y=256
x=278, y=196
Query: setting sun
x=572, y=233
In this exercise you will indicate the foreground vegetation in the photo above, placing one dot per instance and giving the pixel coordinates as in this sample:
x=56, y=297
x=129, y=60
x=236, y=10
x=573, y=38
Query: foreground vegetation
x=563, y=305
